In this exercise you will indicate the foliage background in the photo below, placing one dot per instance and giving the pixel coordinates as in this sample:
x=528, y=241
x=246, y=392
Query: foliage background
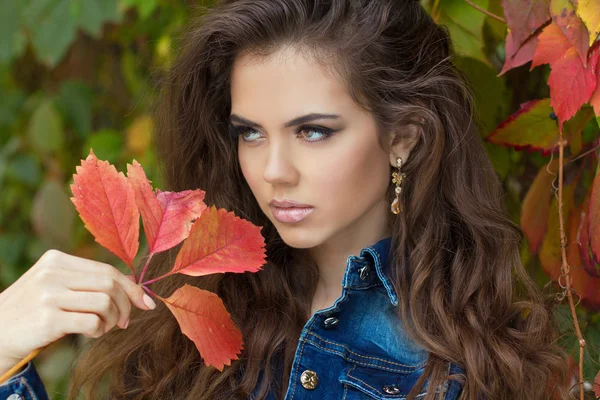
x=80, y=74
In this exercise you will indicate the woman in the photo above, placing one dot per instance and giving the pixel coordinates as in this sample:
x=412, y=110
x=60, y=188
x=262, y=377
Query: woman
x=393, y=275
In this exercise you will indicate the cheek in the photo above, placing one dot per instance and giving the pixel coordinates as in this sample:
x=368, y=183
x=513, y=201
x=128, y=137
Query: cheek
x=251, y=174
x=357, y=175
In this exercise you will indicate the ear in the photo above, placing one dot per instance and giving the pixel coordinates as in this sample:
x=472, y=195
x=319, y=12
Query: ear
x=402, y=142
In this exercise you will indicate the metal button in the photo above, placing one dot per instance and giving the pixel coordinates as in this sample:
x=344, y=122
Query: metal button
x=364, y=272
x=309, y=379
x=15, y=396
x=391, y=389
x=330, y=322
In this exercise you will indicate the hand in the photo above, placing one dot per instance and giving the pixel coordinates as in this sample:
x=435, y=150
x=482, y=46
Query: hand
x=62, y=294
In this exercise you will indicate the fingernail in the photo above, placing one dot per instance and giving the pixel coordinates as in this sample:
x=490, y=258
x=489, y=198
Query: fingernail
x=149, y=302
x=126, y=324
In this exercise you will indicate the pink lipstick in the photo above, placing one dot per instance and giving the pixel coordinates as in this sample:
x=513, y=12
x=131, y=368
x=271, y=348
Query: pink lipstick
x=289, y=210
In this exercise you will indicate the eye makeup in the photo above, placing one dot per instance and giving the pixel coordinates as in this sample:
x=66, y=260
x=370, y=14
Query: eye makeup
x=237, y=130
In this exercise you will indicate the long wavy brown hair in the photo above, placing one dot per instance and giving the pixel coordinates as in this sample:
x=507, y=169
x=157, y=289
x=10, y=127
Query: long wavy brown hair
x=463, y=292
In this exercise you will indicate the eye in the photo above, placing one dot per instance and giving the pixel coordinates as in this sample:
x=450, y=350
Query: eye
x=322, y=132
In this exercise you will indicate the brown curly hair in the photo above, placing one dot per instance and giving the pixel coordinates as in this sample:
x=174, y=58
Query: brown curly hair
x=469, y=299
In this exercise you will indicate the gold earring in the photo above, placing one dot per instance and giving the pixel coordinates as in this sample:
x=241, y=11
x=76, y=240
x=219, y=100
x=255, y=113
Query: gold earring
x=397, y=178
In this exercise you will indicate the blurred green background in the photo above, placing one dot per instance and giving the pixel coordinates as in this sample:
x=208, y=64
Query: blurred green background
x=80, y=74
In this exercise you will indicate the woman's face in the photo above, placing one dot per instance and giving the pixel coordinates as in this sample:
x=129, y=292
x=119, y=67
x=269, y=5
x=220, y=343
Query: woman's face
x=344, y=177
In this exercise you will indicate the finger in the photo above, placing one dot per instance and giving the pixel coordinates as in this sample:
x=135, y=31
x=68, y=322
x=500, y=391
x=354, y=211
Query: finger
x=87, y=324
x=136, y=294
x=84, y=282
x=97, y=303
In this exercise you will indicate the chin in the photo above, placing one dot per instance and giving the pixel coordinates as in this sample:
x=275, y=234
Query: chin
x=297, y=238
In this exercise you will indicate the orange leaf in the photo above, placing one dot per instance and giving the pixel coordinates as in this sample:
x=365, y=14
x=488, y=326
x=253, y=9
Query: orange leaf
x=584, y=284
x=106, y=203
x=596, y=385
x=552, y=45
x=203, y=318
x=594, y=221
x=564, y=16
x=571, y=84
x=534, y=214
x=221, y=242
x=167, y=216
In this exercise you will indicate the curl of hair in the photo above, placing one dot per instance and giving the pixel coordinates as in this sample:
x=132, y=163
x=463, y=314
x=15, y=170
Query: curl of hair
x=463, y=292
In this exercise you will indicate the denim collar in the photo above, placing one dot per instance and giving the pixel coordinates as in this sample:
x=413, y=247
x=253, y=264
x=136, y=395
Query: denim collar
x=376, y=256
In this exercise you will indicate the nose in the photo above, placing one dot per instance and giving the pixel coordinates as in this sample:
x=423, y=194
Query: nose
x=280, y=168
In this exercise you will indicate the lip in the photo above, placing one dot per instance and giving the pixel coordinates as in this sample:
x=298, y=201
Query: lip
x=291, y=214
x=287, y=204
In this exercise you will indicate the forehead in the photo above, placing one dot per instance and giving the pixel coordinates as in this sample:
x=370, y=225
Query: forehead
x=286, y=80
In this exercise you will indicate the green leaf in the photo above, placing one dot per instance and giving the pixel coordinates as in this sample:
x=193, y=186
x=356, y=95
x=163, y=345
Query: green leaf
x=75, y=103
x=12, y=40
x=465, y=24
x=107, y=145
x=486, y=85
x=92, y=14
x=530, y=127
x=52, y=28
x=53, y=215
x=53, y=23
x=24, y=168
x=45, y=131
x=12, y=246
x=10, y=104
x=144, y=7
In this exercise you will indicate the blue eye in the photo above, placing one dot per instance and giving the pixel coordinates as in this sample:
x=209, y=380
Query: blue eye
x=237, y=130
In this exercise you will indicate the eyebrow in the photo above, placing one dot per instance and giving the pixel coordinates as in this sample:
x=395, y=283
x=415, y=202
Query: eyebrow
x=294, y=122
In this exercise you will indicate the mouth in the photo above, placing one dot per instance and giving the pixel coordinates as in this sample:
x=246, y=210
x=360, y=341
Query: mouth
x=291, y=214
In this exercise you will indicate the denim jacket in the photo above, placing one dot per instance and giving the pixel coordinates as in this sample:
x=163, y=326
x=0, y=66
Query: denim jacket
x=354, y=350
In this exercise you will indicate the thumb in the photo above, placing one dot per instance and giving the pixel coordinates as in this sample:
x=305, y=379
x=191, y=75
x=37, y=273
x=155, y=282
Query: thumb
x=136, y=294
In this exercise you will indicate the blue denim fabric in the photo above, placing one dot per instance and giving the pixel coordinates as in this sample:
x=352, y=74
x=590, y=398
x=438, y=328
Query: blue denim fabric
x=26, y=385
x=356, y=348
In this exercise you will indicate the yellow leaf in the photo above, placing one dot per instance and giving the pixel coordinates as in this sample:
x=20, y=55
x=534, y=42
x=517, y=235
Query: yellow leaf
x=589, y=12
x=139, y=134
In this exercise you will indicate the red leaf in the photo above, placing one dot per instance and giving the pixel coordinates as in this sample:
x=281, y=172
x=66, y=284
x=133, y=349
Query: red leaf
x=595, y=58
x=550, y=252
x=167, y=216
x=564, y=16
x=588, y=262
x=203, y=318
x=106, y=203
x=221, y=242
x=552, y=45
x=571, y=85
x=516, y=56
x=524, y=17
x=594, y=220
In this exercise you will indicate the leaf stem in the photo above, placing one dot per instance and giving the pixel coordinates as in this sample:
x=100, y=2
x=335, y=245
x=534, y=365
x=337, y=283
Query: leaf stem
x=145, y=267
x=156, y=279
x=486, y=12
x=565, y=268
x=151, y=293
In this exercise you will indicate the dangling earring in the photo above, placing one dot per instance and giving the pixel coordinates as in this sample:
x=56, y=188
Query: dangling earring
x=397, y=178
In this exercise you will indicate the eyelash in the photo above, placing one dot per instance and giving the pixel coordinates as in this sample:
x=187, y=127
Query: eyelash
x=237, y=130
